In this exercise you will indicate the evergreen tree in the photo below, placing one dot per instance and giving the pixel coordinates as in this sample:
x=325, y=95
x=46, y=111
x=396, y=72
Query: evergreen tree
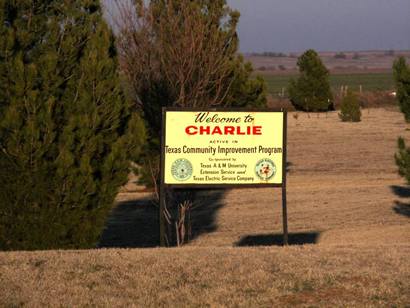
x=66, y=132
x=350, y=108
x=402, y=79
x=311, y=91
x=245, y=91
x=403, y=160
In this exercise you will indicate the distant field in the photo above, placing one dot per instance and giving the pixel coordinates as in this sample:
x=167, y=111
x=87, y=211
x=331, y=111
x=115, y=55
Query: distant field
x=369, y=82
x=357, y=62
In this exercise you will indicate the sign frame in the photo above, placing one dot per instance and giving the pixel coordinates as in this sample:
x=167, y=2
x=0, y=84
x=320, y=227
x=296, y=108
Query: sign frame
x=164, y=186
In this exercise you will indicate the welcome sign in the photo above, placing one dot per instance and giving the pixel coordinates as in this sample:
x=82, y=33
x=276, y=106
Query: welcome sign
x=220, y=147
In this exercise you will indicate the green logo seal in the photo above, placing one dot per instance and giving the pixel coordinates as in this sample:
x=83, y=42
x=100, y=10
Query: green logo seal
x=265, y=169
x=181, y=169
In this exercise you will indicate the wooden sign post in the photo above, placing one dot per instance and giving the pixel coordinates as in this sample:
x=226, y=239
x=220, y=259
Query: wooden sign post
x=222, y=148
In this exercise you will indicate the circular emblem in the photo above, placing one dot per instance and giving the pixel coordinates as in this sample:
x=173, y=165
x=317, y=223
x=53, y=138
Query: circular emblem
x=265, y=169
x=181, y=169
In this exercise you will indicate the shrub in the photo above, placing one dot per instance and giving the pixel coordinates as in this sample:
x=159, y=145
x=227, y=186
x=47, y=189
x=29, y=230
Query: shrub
x=356, y=56
x=376, y=99
x=389, y=53
x=66, y=132
x=340, y=55
x=350, y=108
x=274, y=54
x=403, y=160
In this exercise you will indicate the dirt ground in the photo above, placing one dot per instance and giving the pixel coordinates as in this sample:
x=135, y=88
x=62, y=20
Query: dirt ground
x=343, y=186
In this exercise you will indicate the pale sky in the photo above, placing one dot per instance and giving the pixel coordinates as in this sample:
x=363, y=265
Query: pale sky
x=324, y=25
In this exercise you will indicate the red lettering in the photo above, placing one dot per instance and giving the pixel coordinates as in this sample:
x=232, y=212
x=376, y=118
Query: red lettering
x=205, y=130
x=239, y=131
x=226, y=130
x=217, y=131
x=191, y=130
x=229, y=130
x=257, y=130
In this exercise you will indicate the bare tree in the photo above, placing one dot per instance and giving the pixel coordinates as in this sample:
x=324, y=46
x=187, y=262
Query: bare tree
x=182, y=44
x=181, y=53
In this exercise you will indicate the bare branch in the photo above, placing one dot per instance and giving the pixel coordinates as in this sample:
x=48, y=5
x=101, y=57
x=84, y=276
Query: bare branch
x=179, y=44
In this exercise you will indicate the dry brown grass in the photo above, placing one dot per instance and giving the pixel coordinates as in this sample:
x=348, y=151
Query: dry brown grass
x=323, y=276
x=343, y=185
x=344, y=195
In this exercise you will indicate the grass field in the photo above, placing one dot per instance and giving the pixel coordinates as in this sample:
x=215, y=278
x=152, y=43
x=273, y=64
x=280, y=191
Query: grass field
x=368, y=81
x=208, y=277
x=349, y=213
